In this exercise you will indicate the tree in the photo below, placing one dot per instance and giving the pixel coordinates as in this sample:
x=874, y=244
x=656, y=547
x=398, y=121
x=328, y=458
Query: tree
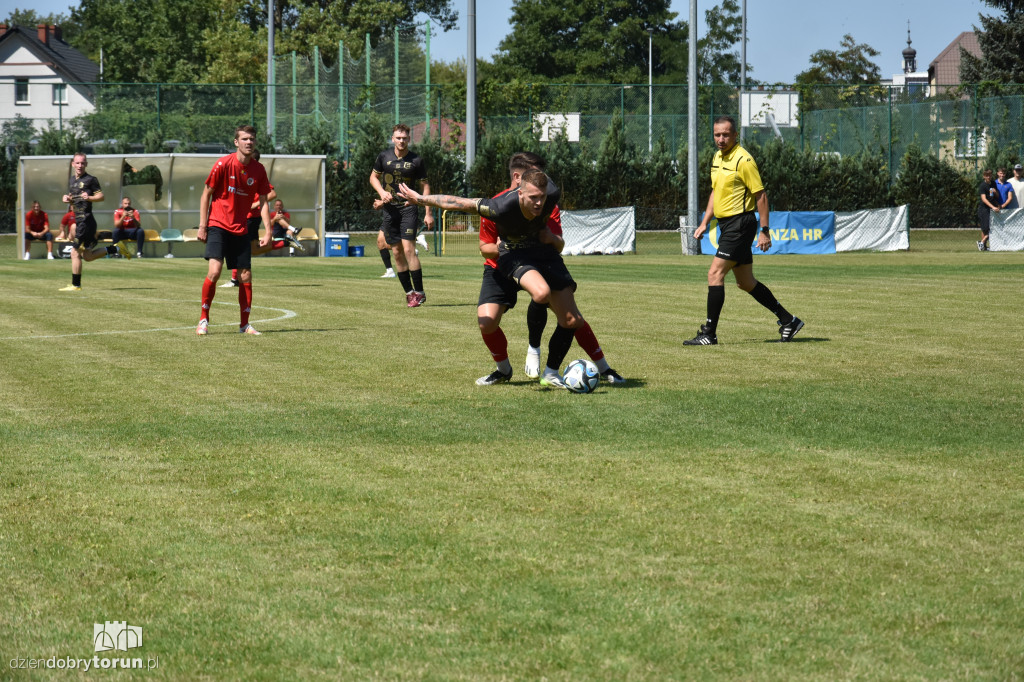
x=1002, y=46
x=850, y=66
x=590, y=41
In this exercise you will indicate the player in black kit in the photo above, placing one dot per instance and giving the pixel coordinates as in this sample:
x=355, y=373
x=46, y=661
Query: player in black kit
x=527, y=252
x=83, y=190
x=392, y=168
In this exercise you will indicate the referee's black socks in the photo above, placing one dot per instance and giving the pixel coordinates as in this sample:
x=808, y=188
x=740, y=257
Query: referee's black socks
x=716, y=299
x=764, y=296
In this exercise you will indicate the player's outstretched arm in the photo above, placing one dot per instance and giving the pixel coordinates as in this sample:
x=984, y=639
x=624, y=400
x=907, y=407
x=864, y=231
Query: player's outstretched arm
x=446, y=202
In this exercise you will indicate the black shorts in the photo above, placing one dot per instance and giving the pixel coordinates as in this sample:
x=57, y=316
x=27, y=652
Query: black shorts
x=280, y=232
x=399, y=222
x=85, y=231
x=984, y=219
x=735, y=237
x=252, y=226
x=544, y=259
x=496, y=288
x=234, y=249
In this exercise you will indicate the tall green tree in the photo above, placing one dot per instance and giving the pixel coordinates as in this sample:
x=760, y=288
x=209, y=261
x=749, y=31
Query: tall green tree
x=850, y=66
x=589, y=41
x=1001, y=39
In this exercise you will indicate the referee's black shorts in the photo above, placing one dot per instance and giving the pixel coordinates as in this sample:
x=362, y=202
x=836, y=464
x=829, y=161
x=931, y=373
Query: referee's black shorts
x=736, y=237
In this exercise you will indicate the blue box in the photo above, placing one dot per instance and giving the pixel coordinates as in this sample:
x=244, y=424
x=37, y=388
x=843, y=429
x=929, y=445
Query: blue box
x=355, y=251
x=336, y=245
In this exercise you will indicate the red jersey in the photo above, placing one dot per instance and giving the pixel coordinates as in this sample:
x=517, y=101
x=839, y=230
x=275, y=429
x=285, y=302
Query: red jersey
x=131, y=222
x=235, y=187
x=254, y=211
x=489, y=230
x=67, y=221
x=37, y=222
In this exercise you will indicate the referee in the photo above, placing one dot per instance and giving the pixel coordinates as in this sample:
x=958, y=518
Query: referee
x=736, y=189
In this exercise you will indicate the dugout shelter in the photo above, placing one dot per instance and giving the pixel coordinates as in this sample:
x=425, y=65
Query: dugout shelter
x=166, y=188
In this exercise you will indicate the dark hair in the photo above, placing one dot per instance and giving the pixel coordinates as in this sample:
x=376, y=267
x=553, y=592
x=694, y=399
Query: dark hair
x=726, y=119
x=987, y=173
x=537, y=178
x=524, y=161
x=245, y=129
x=401, y=126
x=256, y=155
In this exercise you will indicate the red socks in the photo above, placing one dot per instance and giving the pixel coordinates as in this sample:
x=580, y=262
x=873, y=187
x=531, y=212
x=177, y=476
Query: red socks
x=209, y=289
x=588, y=342
x=244, y=301
x=497, y=344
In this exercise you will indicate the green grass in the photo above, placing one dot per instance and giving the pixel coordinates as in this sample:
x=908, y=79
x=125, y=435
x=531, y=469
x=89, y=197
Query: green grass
x=336, y=498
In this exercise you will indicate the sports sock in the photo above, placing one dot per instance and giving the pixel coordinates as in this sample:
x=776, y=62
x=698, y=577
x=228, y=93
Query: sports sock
x=209, y=289
x=244, y=302
x=278, y=244
x=497, y=344
x=405, y=281
x=764, y=296
x=417, y=279
x=76, y=280
x=588, y=342
x=558, y=346
x=716, y=299
x=112, y=250
x=385, y=255
x=234, y=276
x=536, y=319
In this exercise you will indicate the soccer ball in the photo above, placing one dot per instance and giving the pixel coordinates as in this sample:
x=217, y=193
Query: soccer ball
x=581, y=376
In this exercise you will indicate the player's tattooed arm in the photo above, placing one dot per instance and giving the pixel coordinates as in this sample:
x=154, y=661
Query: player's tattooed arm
x=445, y=202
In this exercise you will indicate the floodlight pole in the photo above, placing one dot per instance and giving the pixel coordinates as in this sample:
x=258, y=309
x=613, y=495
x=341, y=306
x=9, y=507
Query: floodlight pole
x=691, y=123
x=743, y=65
x=470, y=85
x=650, y=88
x=270, y=69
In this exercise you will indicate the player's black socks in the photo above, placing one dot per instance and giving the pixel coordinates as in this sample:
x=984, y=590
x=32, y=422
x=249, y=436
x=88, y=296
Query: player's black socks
x=405, y=280
x=764, y=296
x=385, y=255
x=536, y=318
x=76, y=280
x=559, y=345
x=716, y=299
x=111, y=250
x=417, y=279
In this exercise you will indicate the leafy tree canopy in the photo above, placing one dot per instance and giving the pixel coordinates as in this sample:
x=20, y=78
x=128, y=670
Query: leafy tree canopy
x=1001, y=39
x=850, y=65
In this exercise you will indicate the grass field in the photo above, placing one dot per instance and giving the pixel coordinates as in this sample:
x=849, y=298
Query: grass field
x=336, y=499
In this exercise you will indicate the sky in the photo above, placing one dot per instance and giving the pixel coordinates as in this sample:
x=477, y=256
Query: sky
x=782, y=34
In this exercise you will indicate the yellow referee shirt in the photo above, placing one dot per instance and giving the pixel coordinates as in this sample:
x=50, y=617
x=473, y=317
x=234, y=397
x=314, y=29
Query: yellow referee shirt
x=734, y=182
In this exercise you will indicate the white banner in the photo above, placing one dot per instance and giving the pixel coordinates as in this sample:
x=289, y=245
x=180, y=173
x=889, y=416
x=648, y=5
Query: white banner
x=607, y=230
x=1007, y=232
x=876, y=229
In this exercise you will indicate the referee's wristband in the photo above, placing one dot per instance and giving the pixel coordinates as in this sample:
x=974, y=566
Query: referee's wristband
x=764, y=229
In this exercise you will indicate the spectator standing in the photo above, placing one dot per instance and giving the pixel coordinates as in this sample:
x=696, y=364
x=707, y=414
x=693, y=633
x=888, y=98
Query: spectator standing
x=1006, y=193
x=128, y=226
x=1017, y=182
x=83, y=191
x=988, y=201
x=37, y=229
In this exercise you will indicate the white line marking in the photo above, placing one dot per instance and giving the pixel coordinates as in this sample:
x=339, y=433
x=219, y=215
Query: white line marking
x=285, y=315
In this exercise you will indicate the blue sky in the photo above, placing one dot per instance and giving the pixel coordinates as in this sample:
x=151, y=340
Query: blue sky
x=782, y=33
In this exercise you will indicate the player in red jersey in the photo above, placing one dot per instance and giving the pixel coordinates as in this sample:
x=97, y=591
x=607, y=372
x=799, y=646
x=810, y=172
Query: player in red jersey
x=498, y=294
x=234, y=183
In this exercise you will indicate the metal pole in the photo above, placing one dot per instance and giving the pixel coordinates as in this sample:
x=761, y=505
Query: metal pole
x=743, y=64
x=470, y=85
x=316, y=85
x=650, y=89
x=342, y=102
x=270, y=69
x=295, y=104
x=691, y=124
x=426, y=109
x=397, y=112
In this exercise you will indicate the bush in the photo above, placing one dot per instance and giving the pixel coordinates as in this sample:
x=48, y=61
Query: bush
x=938, y=194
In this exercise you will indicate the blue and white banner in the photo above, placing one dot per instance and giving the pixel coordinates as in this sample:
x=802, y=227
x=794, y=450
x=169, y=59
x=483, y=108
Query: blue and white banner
x=791, y=231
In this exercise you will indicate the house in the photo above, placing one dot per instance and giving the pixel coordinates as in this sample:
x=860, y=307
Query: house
x=945, y=69
x=42, y=78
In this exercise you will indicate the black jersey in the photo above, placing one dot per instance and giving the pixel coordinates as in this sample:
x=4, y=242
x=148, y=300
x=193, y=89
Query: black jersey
x=989, y=190
x=86, y=183
x=393, y=171
x=516, y=230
